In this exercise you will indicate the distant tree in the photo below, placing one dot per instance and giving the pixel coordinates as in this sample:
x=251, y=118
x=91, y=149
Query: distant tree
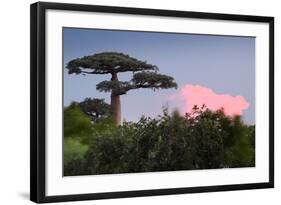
x=144, y=75
x=95, y=108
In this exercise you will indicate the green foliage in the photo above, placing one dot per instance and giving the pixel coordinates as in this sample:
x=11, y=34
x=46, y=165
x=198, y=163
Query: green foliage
x=107, y=62
x=73, y=149
x=95, y=109
x=239, y=155
x=202, y=139
x=119, y=87
x=152, y=80
x=77, y=129
x=144, y=74
x=76, y=123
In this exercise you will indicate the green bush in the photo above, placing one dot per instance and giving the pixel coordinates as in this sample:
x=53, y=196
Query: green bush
x=202, y=139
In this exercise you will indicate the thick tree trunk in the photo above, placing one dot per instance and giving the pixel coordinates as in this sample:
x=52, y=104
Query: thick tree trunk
x=115, y=103
x=116, y=108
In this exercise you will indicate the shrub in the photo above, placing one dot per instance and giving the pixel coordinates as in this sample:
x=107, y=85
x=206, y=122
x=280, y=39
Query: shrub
x=202, y=139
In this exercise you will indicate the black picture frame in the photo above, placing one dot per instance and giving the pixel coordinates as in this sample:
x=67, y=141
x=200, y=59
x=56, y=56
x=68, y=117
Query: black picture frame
x=38, y=101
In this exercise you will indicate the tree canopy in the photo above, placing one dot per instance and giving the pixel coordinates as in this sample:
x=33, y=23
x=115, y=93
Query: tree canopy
x=108, y=63
x=150, y=80
x=94, y=108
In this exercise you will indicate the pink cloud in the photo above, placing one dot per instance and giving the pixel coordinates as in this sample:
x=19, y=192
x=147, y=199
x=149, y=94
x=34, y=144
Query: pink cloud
x=198, y=95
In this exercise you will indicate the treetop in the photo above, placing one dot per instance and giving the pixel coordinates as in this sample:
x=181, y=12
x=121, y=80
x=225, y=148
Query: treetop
x=107, y=63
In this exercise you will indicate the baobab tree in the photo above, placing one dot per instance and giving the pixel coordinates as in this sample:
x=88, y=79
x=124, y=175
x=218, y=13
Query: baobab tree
x=145, y=75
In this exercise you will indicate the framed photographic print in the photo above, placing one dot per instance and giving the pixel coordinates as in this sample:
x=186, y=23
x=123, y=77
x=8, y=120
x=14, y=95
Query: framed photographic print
x=129, y=102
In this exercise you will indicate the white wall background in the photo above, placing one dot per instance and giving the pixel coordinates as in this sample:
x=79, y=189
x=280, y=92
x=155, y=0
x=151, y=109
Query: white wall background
x=14, y=100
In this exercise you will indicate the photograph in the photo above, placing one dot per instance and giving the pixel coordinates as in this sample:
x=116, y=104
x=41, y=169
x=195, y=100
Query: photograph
x=134, y=102
x=143, y=101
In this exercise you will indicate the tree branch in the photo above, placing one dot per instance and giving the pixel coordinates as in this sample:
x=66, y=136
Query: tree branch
x=94, y=72
x=140, y=80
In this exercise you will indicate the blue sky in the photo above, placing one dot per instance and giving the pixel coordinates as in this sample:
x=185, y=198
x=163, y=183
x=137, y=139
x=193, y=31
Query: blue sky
x=225, y=64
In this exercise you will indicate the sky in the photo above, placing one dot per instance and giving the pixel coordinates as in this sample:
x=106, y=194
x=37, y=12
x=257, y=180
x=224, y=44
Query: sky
x=218, y=71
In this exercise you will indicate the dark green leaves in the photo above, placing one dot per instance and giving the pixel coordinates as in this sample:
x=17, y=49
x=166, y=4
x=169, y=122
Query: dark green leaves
x=144, y=75
x=151, y=80
x=95, y=108
x=119, y=87
x=202, y=139
x=107, y=62
x=76, y=124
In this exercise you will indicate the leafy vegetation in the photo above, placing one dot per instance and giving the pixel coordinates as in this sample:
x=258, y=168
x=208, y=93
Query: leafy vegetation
x=202, y=139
